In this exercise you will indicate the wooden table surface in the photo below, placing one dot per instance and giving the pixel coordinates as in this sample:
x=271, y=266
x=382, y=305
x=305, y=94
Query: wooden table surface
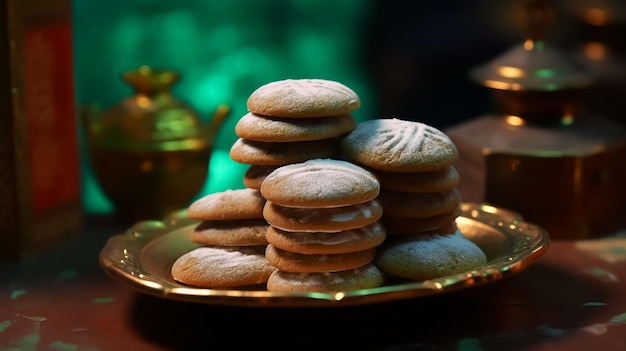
x=572, y=298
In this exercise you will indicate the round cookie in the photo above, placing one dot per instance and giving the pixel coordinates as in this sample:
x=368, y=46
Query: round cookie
x=419, y=205
x=449, y=228
x=237, y=232
x=320, y=183
x=396, y=145
x=357, y=239
x=227, y=205
x=332, y=219
x=255, y=174
x=493, y=245
x=402, y=226
x=366, y=277
x=420, y=182
x=278, y=154
x=303, y=98
x=309, y=263
x=422, y=257
x=279, y=129
x=222, y=267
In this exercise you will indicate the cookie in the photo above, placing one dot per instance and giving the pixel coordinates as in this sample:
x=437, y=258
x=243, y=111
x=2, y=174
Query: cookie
x=493, y=242
x=419, y=205
x=366, y=277
x=402, y=226
x=228, y=205
x=303, y=98
x=222, y=267
x=237, y=232
x=332, y=219
x=279, y=129
x=312, y=263
x=320, y=183
x=420, y=182
x=255, y=175
x=396, y=145
x=277, y=154
x=422, y=257
x=357, y=239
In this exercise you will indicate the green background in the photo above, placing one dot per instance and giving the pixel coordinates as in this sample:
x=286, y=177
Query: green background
x=224, y=50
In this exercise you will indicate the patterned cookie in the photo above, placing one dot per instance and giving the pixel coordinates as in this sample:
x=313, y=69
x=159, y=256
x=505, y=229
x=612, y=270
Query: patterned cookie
x=255, y=175
x=228, y=205
x=422, y=257
x=279, y=129
x=366, y=277
x=332, y=219
x=303, y=98
x=420, y=182
x=222, y=267
x=236, y=232
x=395, y=145
x=358, y=239
x=311, y=263
x=278, y=154
x=419, y=205
x=320, y=183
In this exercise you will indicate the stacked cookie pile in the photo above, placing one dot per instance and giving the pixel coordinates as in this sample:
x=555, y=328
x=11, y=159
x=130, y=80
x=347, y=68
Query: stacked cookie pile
x=292, y=121
x=289, y=121
x=414, y=164
x=329, y=204
x=324, y=226
x=231, y=239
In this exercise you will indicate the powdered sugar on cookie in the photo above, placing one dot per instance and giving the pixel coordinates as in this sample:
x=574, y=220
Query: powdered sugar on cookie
x=320, y=183
x=221, y=267
x=397, y=145
x=303, y=98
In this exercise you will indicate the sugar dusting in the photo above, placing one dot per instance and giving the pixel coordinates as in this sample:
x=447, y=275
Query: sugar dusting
x=368, y=276
x=428, y=256
x=322, y=219
x=399, y=144
x=222, y=266
x=334, y=238
x=320, y=182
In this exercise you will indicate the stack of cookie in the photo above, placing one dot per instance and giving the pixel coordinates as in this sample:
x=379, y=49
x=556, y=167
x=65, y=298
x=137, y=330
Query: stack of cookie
x=231, y=239
x=291, y=121
x=288, y=121
x=324, y=226
x=414, y=164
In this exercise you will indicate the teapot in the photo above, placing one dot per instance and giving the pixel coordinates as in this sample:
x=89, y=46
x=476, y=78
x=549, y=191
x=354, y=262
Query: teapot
x=150, y=153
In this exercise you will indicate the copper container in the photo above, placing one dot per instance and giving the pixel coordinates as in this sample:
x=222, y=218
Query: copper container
x=539, y=153
x=150, y=153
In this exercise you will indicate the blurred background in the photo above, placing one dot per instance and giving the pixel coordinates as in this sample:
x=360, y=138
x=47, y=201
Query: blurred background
x=405, y=59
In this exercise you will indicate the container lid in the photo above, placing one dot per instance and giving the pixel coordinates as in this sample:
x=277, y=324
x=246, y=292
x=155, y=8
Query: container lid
x=533, y=65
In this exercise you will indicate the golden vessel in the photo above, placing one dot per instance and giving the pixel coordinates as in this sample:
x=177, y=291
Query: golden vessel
x=150, y=153
x=540, y=153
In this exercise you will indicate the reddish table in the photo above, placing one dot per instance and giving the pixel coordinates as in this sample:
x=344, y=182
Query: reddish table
x=572, y=298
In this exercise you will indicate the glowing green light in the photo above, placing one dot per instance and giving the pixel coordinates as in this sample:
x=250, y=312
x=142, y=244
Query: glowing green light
x=222, y=54
x=545, y=73
x=5, y=324
x=17, y=293
x=567, y=120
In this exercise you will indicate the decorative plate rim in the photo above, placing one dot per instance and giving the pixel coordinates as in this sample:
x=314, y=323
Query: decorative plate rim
x=123, y=258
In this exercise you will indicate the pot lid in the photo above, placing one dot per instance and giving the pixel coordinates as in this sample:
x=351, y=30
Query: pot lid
x=533, y=65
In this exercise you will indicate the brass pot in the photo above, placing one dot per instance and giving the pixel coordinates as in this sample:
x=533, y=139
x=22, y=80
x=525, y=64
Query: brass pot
x=150, y=153
x=539, y=153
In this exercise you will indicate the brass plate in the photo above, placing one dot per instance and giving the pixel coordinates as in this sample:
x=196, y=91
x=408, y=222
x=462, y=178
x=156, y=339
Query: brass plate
x=142, y=257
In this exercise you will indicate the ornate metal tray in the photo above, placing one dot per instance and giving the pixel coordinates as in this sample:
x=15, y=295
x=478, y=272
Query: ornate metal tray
x=142, y=257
